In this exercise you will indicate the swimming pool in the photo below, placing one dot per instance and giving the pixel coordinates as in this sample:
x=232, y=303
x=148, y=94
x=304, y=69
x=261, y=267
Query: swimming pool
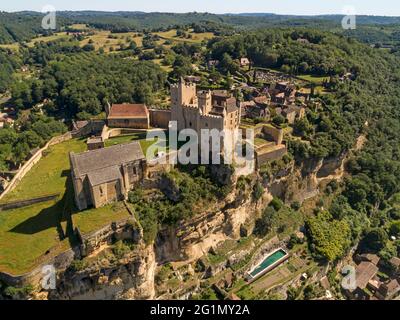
x=270, y=262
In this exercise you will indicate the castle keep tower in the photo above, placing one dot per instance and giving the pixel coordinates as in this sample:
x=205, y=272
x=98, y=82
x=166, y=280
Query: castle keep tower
x=204, y=109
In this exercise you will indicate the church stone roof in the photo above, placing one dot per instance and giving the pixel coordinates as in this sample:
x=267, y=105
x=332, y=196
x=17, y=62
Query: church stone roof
x=104, y=175
x=97, y=161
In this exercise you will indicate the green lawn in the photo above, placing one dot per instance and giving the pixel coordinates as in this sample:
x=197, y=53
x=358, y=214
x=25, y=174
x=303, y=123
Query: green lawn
x=49, y=176
x=140, y=136
x=94, y=219
x=26, y=234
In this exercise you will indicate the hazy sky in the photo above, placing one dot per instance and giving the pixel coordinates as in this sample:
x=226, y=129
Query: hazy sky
x=306, y=7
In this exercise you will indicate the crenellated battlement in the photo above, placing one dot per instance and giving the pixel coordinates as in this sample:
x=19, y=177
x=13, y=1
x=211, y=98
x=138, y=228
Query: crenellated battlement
x=190, y=106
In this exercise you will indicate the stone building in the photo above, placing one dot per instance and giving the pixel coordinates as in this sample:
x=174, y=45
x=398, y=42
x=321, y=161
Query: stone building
x=132, y=116
x=105, y=175
x=94, y=143
x=204, y=110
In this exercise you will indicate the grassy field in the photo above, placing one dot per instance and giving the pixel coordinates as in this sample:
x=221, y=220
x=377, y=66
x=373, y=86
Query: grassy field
x=53, y=37
x=12, y=46
x=314, y=79
x=79, y=26
x=165, y=68
x=195, y=37
x=29, y=235
x=101, y=40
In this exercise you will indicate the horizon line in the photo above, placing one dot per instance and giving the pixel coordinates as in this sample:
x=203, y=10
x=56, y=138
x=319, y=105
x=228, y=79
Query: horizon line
x=207, y=12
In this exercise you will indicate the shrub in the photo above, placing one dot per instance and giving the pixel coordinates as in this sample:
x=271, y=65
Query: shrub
x=120, y=249
x=295, y=205
x=14, y=292
x=258, y=191
x=78, y=265
x=276, y=203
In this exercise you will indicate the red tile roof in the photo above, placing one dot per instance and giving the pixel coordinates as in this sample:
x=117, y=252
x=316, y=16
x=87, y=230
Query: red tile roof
x=128, y=111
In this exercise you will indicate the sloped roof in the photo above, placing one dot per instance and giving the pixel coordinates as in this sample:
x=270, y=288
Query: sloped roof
x=96, y=160
x=365, y=271
x=104, y=175
x=127, y=110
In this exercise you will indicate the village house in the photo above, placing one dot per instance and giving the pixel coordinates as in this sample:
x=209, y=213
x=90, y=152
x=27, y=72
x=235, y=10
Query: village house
x=389, y=290
x=289, y=114
x=257, y=108
x=131, y=116
x=246, y=107
x=105, y=175
x=365, y=272
x=303, y=41
x=283, y=93
x=5, y=120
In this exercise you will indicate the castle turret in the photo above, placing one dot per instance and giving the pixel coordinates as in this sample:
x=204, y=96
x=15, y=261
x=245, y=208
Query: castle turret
x=205, y=101
x=183, y=93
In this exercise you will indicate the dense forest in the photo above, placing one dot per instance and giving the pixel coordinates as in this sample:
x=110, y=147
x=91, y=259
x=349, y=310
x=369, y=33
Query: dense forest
x=79, y=83
x=8, y=64
x=23, y=26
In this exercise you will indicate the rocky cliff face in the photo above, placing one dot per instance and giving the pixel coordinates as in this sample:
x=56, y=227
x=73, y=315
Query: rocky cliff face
x=298, y=184
x=129, y=278
x=191, y=240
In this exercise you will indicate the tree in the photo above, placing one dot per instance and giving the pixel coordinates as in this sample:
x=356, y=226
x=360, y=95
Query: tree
x=395, y=228
x=302, y=127
x=278, y=120
x=375, y=240
x=227, y=64
x=329, y=238
x=264, y=224
x=88, y=47
x=303, y=67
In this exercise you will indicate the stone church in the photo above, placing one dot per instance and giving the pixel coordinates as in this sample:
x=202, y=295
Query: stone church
x=105, y=175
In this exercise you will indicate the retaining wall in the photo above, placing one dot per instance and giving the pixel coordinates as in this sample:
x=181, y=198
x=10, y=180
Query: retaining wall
x=25, y=203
